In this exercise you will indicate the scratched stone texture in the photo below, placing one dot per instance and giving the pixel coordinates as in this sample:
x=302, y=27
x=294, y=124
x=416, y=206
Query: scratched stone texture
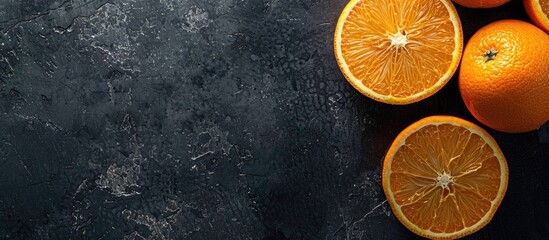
x=213, y=119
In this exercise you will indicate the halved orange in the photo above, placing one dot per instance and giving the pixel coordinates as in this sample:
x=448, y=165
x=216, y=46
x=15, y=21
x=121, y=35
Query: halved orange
x=398, y=52
x=538, y=11
x=444, y=177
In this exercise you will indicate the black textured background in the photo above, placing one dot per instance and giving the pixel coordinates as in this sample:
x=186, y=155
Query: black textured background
x=211, y=119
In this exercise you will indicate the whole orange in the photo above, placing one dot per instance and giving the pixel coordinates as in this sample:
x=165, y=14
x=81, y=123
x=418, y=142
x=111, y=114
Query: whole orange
x=504, y=76
x=481, y=3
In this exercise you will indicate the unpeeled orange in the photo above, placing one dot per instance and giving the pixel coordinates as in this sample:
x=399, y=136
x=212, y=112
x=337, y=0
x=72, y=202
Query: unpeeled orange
x=444, y=177
x=504, y=76
x=398, y=52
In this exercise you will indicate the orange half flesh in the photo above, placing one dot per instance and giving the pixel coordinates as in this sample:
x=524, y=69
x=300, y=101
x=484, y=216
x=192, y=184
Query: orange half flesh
x=398, y=52
x=538, y=11
x=444, y=177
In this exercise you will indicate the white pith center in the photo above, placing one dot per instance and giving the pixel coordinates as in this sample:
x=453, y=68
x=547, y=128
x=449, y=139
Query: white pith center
x=399, y=39
x=444, y=179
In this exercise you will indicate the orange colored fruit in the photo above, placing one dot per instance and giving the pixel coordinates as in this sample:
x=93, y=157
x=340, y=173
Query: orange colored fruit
x=398, y=52
x=504, y=76
x=481, y=3
x=444, y=177
x=538, y=11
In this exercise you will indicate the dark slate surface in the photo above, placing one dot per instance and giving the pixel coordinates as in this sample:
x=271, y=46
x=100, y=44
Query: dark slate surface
x=221, y=119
